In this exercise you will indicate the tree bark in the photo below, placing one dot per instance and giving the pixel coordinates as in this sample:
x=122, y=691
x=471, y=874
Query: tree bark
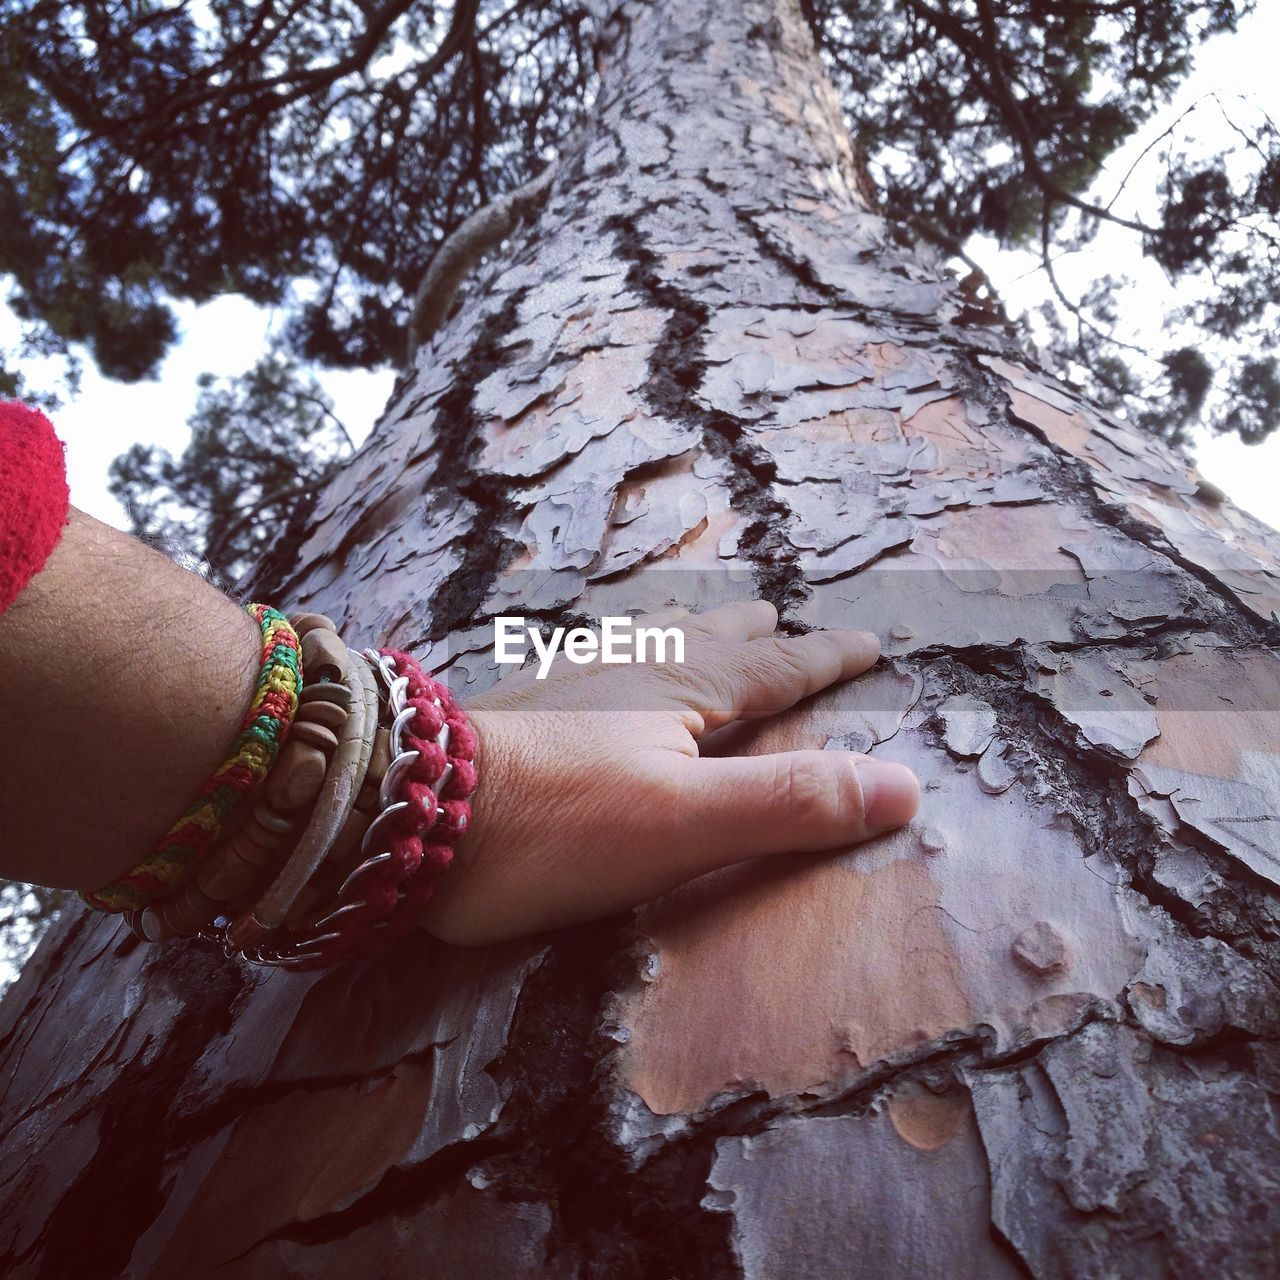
x=1034, y=1033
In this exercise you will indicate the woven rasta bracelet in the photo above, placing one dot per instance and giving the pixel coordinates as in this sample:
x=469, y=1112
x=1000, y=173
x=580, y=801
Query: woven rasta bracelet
x=265, y=726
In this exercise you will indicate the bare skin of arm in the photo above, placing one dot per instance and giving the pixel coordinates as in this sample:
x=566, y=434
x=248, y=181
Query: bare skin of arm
x=124, y=679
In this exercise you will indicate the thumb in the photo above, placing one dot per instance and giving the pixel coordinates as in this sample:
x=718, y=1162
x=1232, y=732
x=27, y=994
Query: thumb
x=792, y=802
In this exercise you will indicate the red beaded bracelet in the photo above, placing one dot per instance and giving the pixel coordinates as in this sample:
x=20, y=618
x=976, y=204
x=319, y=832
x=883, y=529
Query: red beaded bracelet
x=425, y=809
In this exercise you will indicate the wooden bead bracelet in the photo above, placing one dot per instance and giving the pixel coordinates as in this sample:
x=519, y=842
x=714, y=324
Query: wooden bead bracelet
x=248, y=856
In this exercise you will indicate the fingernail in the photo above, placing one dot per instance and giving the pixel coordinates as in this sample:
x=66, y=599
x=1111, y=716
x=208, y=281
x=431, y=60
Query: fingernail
x=865, y=641
x=890, y=793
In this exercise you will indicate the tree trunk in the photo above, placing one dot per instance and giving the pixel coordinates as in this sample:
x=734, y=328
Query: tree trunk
x=1034, y=1033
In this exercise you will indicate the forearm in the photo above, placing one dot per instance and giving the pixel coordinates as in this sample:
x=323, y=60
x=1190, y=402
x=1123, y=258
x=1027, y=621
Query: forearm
x=123, y=680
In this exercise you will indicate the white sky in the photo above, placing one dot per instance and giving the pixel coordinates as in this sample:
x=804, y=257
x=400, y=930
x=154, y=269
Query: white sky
x=226, y=337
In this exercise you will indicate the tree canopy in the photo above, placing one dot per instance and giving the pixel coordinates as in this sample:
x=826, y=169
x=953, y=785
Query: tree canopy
x=260, y=447
x=314, y=155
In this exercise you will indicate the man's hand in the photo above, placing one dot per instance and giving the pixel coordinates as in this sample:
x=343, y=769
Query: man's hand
x=593, y=796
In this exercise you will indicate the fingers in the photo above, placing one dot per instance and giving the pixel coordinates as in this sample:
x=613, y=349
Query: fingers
x=765, y=676
x=741, y=620
x=796, y=801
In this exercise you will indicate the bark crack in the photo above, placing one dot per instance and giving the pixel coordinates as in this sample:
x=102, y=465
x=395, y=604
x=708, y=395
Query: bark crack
x=1083, y=491
x=676, y=370
x=1089, y=787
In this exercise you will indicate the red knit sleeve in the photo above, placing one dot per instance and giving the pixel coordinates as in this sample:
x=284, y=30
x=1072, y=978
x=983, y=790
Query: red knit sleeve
x=34, y=498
